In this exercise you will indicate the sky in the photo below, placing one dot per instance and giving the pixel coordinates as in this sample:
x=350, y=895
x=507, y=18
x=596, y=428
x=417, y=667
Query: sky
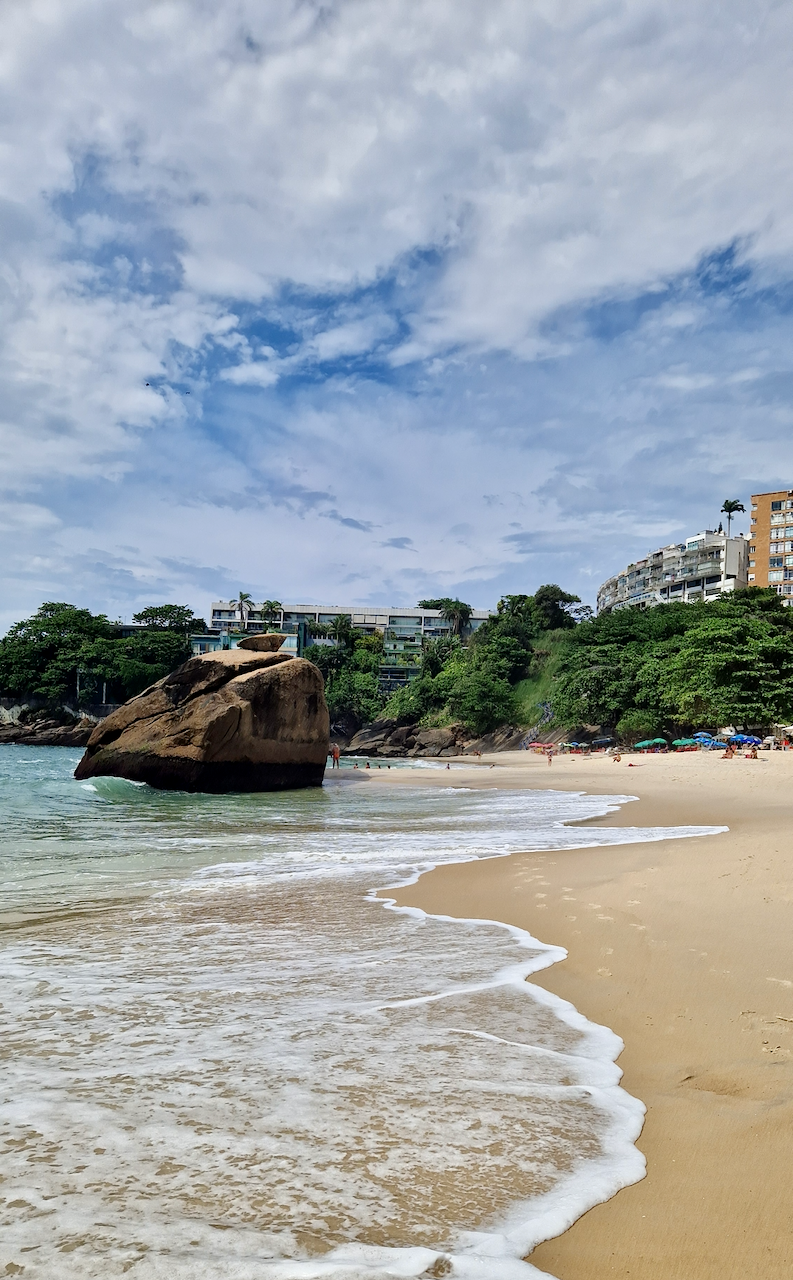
x=364, y=301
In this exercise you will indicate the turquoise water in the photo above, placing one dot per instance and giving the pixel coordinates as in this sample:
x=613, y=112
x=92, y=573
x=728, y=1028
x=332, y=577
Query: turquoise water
x=223, y=1058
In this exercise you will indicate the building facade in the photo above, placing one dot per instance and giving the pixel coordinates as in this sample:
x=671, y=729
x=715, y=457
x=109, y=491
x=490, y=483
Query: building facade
x=703, y=567
x=397, y=624
x=771, y=541
x=403, y=630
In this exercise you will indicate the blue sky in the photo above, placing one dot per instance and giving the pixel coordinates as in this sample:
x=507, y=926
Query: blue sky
x=366, y=301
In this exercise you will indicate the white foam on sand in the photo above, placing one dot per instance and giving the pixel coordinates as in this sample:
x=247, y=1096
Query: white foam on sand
x=262, y=1073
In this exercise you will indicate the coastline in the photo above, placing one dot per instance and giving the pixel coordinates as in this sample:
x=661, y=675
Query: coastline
x=682, y=947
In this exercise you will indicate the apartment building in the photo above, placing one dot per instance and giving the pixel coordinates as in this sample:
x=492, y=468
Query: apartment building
x=398, y=624
x=403, y=630
x=703, y=567
x=771, y=541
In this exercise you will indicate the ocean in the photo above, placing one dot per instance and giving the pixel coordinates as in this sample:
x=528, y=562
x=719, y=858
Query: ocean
x=224, y=1058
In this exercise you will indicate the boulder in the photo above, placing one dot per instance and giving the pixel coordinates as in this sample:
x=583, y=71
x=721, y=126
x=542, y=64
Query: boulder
x=431, y=742
x=507, y=738
x=268, y=642
x=371, y=738
x=234, y=720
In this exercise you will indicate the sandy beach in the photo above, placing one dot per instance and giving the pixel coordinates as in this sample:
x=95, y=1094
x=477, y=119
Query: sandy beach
x=685, y=949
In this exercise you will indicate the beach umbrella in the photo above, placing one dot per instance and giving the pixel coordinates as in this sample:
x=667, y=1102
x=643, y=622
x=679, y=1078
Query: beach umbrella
x=702, y=734
x=754, y=742
x=649, y=742
x=658, y=742
x=684, y=742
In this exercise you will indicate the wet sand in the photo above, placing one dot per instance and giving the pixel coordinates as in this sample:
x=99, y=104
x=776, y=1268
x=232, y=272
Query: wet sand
x=685, y=949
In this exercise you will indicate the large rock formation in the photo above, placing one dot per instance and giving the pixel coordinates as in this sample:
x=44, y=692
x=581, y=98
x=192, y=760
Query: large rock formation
x=390, y=738
x=236, y=720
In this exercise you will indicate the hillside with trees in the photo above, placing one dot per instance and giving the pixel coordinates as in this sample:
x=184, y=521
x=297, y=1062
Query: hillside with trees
x=678, y=667
x=65, y=654
x=635, y=673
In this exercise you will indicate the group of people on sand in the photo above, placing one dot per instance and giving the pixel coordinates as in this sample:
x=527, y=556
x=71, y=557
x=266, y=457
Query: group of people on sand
x=730, y=751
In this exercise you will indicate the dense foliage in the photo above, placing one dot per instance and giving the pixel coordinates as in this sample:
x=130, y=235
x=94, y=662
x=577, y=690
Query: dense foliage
x=42, y=656
x=475, y=682
x=680, y=666
x=351, y=667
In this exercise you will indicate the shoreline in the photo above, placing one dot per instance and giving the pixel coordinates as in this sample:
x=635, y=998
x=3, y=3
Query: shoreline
x=683, y=948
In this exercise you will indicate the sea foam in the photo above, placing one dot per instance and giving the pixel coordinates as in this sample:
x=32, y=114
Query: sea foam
x=225, y=1058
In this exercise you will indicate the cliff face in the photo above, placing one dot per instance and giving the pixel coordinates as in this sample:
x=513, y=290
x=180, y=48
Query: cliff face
x=239, y=720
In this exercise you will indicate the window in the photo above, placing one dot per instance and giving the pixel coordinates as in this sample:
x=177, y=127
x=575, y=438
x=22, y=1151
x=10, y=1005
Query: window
x=752, y=564
x=788, y=562
x=775, y=562
x=751, y=577
x=774, y=547
x=774, y=576
x=778, y=518
x=776, y=506
x=788, y=505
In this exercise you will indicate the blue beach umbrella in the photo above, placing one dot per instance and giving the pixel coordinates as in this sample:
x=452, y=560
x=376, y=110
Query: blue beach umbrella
x=702, y=734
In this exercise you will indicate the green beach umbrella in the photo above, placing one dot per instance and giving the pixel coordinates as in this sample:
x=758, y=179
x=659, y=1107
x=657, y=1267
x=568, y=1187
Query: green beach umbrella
x=650, y=742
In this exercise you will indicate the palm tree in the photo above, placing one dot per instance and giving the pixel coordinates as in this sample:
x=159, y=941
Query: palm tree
x=245, y=603
x=458, y=614
x=455, y=612
x=731, y=508
x=270, y=610
x=341, y=629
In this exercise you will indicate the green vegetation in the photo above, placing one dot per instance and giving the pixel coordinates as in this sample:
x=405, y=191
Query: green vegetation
x=351, y=669
x=500, y=675
x=680, y=666
x=638, y=673
x=60, y=647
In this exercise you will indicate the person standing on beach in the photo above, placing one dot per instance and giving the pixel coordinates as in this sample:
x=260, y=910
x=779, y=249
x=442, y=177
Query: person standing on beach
x=550, y=756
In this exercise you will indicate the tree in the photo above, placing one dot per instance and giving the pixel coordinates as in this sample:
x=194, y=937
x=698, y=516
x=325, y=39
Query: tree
x=455, y=612
x=636, y=725
x=342, y=630
x=730, y=508
x=551, y=604
x=482, y=701
x=245, y=602
x=731, y=669
x=40, y=657
x=270, y=610
x=174, y=617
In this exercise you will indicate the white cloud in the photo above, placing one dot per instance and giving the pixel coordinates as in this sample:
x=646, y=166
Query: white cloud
x=169, y=170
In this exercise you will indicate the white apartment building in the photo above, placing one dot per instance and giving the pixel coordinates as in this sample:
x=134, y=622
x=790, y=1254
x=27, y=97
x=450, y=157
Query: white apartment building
x=703, y=567
x=402, y=623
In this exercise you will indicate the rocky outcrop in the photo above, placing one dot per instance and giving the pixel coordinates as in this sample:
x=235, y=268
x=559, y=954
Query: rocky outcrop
x=47, y=731
x=391, y=738
x=236, y=720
